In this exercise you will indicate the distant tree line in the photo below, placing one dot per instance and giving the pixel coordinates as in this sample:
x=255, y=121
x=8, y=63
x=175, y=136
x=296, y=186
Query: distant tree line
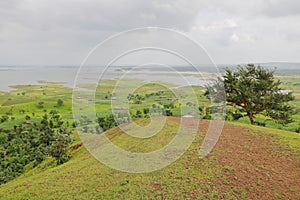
x=121, y=117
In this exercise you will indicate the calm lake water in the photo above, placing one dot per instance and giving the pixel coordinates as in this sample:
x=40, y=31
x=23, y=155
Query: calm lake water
x=24, y=75
x=31, y=75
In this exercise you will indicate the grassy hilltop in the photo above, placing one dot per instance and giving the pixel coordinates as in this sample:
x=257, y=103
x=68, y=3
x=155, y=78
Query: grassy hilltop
x=248, y=162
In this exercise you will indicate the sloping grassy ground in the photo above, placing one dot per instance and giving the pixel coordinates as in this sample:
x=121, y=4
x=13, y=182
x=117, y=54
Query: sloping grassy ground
x=83, y=177
x=288, y=140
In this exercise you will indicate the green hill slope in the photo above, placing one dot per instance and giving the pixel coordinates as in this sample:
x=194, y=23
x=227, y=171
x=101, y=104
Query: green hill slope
x=246, y=164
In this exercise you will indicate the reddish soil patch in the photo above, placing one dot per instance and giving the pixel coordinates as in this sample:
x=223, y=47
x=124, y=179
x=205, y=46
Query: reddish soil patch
x=156, y=186
x=254, y=164
x=76, y=146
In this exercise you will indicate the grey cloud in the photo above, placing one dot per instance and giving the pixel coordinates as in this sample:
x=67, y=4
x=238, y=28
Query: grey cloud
x=281, y=8
x=101, y=15
x=257, y=8
x=63, y=31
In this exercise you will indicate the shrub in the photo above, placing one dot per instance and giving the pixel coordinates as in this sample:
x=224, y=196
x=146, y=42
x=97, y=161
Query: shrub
x=60, y=102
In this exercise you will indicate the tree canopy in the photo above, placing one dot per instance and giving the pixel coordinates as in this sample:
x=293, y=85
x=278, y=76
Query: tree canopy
x=29, y=143
x=253, y=90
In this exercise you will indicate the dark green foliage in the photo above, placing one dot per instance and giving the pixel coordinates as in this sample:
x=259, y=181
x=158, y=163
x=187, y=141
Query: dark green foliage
x=157, y=109
x=200, y=109
x=122, y=117
x=113, y=120
x=260, y=123
x=74, y=124
x=138, y=114
x=135, y=98
x=146, y=111
x=234, y=115
x=207, y=114
x=107, y=122
x=169, y=106
x=254, y=90
x=168, y=113
x=60, y=102
x=3, y=118
x=41, y=104
x=84, y=120
x=31, y=143
x=59, y=147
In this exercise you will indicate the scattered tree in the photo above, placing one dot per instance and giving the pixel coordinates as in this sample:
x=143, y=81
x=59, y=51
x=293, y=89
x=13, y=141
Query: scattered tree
x=254, y=90
x=60, y=102
x=41, y=104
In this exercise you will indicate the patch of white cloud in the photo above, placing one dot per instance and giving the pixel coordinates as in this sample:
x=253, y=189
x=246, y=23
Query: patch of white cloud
x=234, y=38
x=231, y=23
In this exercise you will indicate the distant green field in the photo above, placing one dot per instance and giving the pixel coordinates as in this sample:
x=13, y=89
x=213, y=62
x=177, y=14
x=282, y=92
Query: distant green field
x=27, y=97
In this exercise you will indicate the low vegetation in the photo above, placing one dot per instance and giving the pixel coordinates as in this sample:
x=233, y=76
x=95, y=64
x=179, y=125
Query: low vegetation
x=38, y=137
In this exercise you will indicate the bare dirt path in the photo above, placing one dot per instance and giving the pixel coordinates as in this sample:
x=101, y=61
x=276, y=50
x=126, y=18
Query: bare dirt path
x=254, y=164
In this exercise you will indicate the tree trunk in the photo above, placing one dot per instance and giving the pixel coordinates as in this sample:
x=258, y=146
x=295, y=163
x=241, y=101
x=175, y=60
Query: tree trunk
x=250, y=115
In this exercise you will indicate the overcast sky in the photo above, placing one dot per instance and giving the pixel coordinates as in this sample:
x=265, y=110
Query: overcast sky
x=49, y=32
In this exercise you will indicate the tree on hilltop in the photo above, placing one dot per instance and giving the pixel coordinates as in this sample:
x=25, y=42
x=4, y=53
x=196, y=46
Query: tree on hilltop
x=253, y=90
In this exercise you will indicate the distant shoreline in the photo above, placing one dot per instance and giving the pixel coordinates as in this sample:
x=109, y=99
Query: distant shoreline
x=12, y=76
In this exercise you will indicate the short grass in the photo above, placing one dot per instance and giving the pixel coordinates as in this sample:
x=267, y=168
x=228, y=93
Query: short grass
x=287, y=139
x=84, y=177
